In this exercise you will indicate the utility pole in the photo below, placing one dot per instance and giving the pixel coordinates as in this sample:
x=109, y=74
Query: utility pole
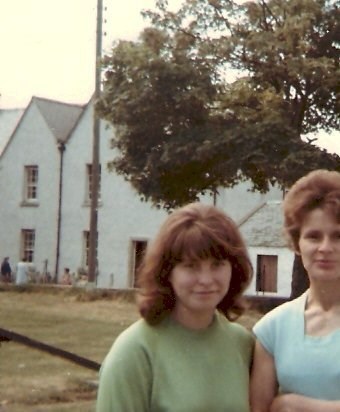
x=61, y=148
x=93, y=236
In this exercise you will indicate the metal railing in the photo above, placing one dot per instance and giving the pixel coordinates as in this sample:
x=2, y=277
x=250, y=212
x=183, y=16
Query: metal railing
x=7, y=335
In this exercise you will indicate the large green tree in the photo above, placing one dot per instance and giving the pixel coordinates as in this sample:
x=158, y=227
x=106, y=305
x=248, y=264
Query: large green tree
x=219, y=92
x=185, y=126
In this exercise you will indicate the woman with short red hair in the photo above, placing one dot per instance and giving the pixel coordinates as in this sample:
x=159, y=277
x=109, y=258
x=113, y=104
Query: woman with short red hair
x=186, y=354
x=297, y=355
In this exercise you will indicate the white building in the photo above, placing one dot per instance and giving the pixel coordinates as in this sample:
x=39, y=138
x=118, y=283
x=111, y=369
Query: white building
x=9, y=118
x=272, y=260
x=45, y=174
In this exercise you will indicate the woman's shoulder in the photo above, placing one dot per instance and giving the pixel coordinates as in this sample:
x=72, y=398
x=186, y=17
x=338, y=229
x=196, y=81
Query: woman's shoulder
x=138, y=339
x=137, y=332
x=286, y=314
x=239, y=329
x=287, y=308
x=242, y=339
x=236, y=329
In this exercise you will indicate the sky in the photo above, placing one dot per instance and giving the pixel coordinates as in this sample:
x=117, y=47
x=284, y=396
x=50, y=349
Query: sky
x=47, y=48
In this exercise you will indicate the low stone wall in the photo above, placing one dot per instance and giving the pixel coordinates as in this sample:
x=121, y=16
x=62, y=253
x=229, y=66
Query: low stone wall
x=85, y=293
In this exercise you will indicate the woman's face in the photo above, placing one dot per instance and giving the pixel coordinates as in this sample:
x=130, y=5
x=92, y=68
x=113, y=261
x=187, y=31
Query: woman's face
x=199, y=286
x=319, y=245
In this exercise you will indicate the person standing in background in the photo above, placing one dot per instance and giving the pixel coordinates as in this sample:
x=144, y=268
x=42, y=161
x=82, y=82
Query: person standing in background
x=6, y=271
x=67, y=277
x=21, y=273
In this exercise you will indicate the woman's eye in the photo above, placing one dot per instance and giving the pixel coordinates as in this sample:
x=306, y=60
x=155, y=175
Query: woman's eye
x=337, y=236
x=189, y=265
x=218, y=263
x=312, y=235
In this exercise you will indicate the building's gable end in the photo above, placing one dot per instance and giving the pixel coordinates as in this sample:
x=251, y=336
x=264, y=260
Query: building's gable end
x=22, y=119
x=61, y=118
x=9, y=119
x=264, y=226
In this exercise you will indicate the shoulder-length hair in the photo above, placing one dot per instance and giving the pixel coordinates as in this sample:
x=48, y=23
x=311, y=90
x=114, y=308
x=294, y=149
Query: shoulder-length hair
x=195, y=231
x=319, y=189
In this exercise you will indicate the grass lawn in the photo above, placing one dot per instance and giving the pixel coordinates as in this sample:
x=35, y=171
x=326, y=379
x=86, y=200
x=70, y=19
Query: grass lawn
x=78, y=321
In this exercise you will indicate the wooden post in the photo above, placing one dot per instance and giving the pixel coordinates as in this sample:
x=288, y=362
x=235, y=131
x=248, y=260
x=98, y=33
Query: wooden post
x=93, y=238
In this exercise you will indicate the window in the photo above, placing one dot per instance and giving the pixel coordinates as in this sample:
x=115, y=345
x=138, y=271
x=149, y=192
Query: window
x=31, y=183
x=27, y=244
x=266, y=274
x=86, y=248
x=89, y=182
x=138, y=250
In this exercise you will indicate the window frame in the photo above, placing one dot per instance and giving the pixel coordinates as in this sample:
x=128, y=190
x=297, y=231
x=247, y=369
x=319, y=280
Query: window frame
x=137, y=249
x=27, y=244
x=31, y=183
x=267, y=282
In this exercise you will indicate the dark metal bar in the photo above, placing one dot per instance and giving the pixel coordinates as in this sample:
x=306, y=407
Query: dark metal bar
x=6, y=335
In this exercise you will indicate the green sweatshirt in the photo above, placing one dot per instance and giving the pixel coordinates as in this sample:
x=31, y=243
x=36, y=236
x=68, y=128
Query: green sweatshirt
x=169, y=368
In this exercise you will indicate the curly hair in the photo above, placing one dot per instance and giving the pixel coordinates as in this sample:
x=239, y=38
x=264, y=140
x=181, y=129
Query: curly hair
x=319, y=189
x=195, y=231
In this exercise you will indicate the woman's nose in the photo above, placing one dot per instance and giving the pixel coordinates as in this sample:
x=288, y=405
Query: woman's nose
x=204, y=276
x=326, y=244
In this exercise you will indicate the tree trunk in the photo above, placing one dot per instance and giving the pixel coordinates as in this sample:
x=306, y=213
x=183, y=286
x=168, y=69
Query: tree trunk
x=300, y=281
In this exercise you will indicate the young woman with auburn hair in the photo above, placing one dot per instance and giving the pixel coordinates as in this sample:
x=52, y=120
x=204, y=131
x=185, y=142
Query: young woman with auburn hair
x=297, y=353
x=186, y=353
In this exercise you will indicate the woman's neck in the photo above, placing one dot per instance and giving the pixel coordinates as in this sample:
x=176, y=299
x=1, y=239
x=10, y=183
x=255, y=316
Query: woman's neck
x=195, y=321
x=324, y=295
x=322, y=312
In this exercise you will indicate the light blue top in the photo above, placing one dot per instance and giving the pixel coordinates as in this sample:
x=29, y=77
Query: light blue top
x=305, y=365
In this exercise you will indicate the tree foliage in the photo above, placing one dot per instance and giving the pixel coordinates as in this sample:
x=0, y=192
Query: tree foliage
x=184, y=126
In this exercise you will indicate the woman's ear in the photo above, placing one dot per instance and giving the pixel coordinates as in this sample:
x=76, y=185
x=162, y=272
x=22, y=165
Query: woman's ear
x=296, y=247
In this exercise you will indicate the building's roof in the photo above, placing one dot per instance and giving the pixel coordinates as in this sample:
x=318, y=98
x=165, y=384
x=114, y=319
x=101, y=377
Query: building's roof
x=61, y=118
x=264, y=226
x=9, y=118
